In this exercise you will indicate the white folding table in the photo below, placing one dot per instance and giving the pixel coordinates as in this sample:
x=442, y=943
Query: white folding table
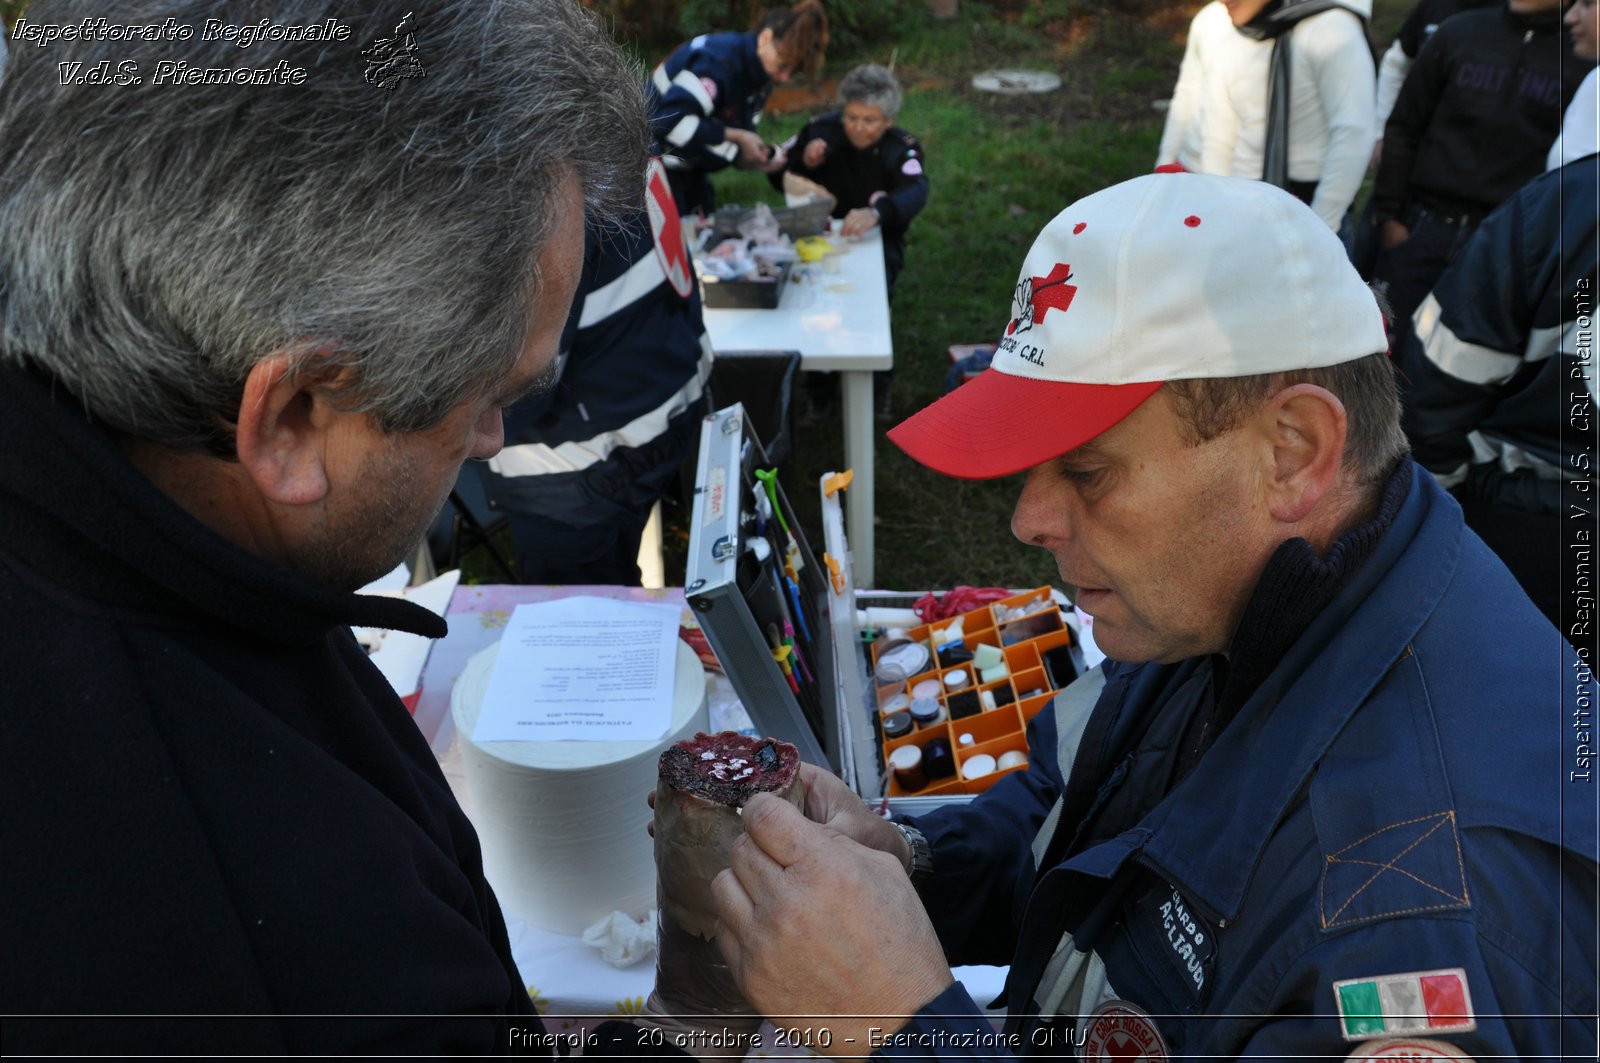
x=836, y=314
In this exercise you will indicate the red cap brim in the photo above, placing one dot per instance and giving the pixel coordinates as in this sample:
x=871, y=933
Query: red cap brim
x=997, y=424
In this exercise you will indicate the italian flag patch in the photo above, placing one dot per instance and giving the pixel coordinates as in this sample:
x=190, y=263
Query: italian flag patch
x=1412, y=1003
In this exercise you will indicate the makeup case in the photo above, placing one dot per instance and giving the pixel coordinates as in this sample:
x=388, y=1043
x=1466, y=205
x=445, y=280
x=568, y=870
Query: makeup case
x=795, y=652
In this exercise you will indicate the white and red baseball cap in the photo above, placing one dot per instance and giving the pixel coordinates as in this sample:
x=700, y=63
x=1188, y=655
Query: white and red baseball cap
x=1169, y=276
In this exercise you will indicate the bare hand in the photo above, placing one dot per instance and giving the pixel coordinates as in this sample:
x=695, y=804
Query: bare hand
x=816, y=151
x=778, y=160
x=1393, y=233
x=752, y=149
x=816, y=927
x=860, y=221
x=833, y=804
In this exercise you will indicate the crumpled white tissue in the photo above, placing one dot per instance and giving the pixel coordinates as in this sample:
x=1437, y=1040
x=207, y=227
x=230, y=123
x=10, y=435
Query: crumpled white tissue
x=622, y=941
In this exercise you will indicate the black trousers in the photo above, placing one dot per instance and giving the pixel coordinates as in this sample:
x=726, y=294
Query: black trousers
x=551, y=552
x=1409, y=270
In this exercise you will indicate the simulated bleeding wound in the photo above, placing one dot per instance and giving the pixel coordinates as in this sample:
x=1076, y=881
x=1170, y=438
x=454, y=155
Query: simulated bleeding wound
x=729, y=768
x=704, y=782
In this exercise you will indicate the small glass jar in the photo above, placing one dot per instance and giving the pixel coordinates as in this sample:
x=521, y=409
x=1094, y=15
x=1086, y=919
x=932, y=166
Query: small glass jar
x=897, y=725
x=927, y=712
x=890, y=680
x=906, y=763
x=977, y=766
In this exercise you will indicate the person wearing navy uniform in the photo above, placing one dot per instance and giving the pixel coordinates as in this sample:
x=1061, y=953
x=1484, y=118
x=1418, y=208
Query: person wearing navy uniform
x=871, y=167
x=586, y=461
x=706, y=98
x=1495, y=371
x=1325, y=796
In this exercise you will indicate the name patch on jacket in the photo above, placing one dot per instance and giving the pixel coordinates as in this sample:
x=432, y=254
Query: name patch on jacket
x=1164, y=924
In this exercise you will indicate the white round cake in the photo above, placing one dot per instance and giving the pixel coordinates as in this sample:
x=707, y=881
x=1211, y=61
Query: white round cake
x=563, y=823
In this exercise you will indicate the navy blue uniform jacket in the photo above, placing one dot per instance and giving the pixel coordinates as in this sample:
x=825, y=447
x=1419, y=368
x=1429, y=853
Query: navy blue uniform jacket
x=1411, y=789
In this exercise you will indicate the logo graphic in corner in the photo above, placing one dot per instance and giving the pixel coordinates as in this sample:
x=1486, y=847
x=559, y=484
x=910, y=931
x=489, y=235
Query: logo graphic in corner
x=667, y=230
x=1037, y=296
x=391, y=59
x=1118, y=1030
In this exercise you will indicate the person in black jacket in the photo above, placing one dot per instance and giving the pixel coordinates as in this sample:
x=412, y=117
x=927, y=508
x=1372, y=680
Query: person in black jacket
x=1393, y=67
x=871, y=167
x=1473, y=123
x=248, y=334
x=1419, y=25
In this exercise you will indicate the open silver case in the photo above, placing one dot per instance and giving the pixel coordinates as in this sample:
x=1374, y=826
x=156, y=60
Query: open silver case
x=828, y=712
x=736, y=585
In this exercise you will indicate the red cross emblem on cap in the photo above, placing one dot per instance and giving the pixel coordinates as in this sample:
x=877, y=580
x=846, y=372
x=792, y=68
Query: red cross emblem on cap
x=1040, y=295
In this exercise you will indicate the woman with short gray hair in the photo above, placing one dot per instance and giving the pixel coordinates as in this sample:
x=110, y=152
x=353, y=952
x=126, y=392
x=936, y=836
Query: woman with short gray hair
x=874, y=86
x=872, y=168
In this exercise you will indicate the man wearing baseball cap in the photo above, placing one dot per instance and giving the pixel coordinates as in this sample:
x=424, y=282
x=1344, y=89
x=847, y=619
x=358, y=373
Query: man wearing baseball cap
x=1324, y=799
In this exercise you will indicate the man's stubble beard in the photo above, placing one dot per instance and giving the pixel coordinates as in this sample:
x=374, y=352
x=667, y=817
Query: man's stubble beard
x=382, y=526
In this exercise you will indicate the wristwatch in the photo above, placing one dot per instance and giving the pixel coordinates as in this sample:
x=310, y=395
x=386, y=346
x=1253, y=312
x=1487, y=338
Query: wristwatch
x=921, y=853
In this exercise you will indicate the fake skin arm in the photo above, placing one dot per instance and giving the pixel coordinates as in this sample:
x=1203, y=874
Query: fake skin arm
x=820, y=929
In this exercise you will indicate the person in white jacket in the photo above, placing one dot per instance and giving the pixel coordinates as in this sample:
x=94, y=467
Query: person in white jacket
x=1183, y=138
x=1225, y=102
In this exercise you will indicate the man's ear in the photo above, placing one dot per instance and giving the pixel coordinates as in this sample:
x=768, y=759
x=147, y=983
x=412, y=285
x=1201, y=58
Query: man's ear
x=1306, y=429
x=281, y=434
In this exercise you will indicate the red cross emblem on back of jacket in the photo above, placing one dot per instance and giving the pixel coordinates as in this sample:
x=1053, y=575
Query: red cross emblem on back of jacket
x=667, y=230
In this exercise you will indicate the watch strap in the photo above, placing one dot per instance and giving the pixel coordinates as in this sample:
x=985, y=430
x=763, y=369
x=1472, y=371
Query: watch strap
x=921, y=853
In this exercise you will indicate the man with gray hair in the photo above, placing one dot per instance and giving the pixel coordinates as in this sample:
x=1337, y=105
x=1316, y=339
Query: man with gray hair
x=257, y=305
x=871, y=167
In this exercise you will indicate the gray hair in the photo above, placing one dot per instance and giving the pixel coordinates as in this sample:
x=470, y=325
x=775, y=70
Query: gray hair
x=162, y=238
x=874, y=86
x=1374, y=443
